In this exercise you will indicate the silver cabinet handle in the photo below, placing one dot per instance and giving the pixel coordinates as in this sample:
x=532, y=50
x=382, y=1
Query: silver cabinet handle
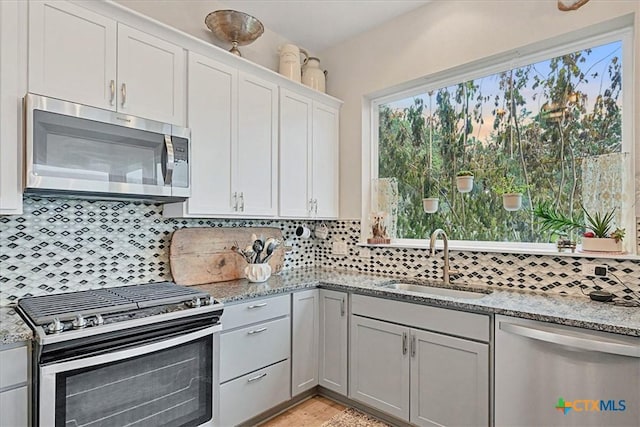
x=404, y=343
x=257, y=305
x=168, y=173
x=257, y=377
x=315, y=204
x=413, y=345
x=588, y=344
x=112, y=89
x=342, y=307
x=123, y=92
x=242, y=201
x=256, y=331
x=235, y=201
x=310, y=206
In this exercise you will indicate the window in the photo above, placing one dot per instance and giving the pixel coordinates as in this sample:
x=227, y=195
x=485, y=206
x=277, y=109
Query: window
x=551, y=129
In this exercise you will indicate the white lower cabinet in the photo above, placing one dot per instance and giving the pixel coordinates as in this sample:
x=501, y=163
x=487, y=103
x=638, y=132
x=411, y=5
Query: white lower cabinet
x=425, y=378
x=304, y=341
x=333, y=342
x=254, y=393
x=255, y=351
x=379, y=368
x=14, y=397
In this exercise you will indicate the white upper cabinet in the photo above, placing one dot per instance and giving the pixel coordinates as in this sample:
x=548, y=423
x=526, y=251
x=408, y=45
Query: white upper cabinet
x=325, y=161
x=257, y=148
x=295, y=154
x=72, y=54
x=10, y=109
x=81, y=56
x=151, y=76
x=308, y=157
x=212, y=119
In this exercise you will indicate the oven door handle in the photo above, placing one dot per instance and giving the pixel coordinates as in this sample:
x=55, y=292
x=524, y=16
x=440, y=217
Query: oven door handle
x=71, y=365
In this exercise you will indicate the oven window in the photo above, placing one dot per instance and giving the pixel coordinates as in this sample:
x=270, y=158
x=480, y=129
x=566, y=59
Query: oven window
x=171, y=387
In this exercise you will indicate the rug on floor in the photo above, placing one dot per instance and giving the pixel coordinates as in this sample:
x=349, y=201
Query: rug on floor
x=351, y=417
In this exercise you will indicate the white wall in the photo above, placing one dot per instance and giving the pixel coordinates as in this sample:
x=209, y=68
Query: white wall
x=437, y=37
x=188, y=16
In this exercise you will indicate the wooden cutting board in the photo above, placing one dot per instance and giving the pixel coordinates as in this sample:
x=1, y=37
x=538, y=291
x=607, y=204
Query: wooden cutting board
x=203, y=255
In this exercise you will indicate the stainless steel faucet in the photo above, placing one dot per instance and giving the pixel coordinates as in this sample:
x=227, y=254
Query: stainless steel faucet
x=446, y=272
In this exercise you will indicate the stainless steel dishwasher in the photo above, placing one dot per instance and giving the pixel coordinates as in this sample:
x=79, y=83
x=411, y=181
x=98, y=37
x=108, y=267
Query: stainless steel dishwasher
x=554, y=375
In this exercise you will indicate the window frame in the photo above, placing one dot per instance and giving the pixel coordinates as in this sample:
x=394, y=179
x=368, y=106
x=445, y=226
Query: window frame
x=537, y=52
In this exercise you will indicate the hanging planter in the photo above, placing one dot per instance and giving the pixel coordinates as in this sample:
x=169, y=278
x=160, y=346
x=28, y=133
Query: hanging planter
x=512, y=201
x=511, y=192
x=430, y=204
x=464, y=181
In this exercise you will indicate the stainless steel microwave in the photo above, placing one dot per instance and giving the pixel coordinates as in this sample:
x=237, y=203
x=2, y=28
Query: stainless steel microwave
x=86, y=152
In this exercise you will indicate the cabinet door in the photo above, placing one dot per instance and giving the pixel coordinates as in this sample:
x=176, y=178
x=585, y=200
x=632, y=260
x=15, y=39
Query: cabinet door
x=72, y=53
x=295, y=155
x=257, y=149
x=10, y=108
x=304, y=349
x=213, y=122
x=14, y=407
x=151, y=76
x=325, y=160
x=449, y=381
x=332, y=351
x=379, y=366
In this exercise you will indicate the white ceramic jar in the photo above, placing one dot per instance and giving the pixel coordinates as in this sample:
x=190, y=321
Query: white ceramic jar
x=290, y=65
x=257, y=273
x=313, y=76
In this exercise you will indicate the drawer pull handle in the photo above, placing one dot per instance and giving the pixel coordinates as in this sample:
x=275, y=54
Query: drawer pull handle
x=257, y=305
x=257, y=377
x=257, y=331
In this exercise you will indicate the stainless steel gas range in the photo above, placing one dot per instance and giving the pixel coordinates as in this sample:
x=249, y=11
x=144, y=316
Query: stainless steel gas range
x=143, y=355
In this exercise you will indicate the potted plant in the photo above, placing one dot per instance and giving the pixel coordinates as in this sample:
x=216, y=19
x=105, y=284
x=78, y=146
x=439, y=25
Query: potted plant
x=430, y=204
x=597, y=235
x=511, y=192
x=464, y=181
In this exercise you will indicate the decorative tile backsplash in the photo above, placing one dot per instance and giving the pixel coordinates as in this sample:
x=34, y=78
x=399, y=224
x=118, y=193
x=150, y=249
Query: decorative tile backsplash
x=559, y=274
x=62, y=245
x=67, y=245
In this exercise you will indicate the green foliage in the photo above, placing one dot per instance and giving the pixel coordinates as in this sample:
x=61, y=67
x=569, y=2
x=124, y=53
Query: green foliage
x=600, y=224
x=554, y=221
x=424, y=143
x=618, y=234
x=464, y=173
x=509, y=185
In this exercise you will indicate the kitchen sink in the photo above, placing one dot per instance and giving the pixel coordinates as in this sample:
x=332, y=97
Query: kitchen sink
x=433, y=290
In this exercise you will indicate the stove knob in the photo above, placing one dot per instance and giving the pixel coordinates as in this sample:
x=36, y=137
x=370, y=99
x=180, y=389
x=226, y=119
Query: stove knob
x=55, y=326
x=99, y=320
x=194, y=303
x=208, y=300
x=79, y=322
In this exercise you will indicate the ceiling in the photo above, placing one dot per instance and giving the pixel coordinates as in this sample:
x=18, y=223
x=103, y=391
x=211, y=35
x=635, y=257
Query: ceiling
x=312, y=24
x=319, y=24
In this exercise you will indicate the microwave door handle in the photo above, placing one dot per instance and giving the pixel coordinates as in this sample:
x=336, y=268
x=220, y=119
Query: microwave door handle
x=168, y=168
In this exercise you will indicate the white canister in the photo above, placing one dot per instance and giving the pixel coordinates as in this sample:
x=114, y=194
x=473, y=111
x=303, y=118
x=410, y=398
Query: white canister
x=313, y=76
x=290, y=65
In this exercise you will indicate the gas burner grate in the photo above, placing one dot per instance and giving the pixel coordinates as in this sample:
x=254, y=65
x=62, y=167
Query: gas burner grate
x=44, y=309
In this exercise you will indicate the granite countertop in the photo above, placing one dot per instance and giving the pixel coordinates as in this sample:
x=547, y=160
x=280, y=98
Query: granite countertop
x=555, y=308
x=12, y=327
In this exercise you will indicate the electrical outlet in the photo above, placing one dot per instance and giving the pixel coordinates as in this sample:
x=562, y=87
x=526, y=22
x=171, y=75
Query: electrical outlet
x=339, y=248
x=364, y=253
x=595, y=270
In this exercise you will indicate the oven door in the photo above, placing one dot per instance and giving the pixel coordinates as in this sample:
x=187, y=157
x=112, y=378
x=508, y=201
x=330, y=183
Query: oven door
x=169, y=383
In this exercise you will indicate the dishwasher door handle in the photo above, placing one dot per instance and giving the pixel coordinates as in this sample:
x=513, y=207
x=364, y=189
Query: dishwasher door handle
x=587, y=344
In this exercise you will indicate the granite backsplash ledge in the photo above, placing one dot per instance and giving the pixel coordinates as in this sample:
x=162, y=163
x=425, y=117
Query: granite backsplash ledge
x=61, y=245
x=546, y=273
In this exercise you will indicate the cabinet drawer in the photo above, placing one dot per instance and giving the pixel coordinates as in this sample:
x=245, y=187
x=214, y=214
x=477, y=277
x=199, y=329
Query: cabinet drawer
x=254, y=347
x=14, y=407
x=252, y=394
x=255, y=311
x=13, y=367
x=446, y=321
